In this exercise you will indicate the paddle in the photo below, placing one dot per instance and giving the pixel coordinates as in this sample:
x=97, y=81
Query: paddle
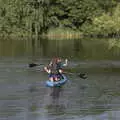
x=34, y=64
x=81, y=75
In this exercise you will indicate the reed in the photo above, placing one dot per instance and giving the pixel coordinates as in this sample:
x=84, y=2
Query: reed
x=59, y=33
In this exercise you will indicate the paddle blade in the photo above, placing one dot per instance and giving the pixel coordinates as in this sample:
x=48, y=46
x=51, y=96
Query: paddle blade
x=32, y=64
x=82, y=75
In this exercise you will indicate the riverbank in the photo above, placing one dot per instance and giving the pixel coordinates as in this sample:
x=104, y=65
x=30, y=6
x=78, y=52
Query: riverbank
x=55, y=33
x=64, y=34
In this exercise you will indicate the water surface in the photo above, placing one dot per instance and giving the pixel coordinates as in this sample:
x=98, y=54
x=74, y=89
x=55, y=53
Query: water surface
x=24, y=96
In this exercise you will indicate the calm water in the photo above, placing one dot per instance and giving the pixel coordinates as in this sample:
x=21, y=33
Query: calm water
x=24, y=96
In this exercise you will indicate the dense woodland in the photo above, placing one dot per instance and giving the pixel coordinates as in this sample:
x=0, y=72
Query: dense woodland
x=38, y=17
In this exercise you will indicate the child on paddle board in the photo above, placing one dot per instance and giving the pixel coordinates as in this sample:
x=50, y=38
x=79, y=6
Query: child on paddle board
x=60, y=65
x=52, y=76
x=55, y=69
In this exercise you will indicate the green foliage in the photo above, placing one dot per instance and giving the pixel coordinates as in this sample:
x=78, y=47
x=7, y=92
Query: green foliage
x=73, y=13
x=106, y=24
x=35, y=17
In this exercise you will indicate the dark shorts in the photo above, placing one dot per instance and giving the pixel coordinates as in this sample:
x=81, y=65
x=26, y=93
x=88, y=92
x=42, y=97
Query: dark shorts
x=52, y=75
x=55, y=76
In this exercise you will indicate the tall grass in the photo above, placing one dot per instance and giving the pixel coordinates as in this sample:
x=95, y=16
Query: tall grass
x=61, y=33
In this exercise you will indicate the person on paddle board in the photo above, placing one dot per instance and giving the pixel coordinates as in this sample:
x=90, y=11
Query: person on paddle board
x=55, y=69
x=60, y=65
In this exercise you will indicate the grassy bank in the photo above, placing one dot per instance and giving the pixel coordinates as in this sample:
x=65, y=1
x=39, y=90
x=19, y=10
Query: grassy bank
x=60, y=33
x=56, y=33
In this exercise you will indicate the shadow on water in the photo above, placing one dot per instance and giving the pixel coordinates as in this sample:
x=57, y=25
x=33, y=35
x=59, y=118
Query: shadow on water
x=49, y=103
x=55, y=92
x=55, y=107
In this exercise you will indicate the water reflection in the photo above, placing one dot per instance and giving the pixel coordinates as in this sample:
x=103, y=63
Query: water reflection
x=55, y=92
x=78, y=48
x=48, y=103
x=33, y=46
x=55, y=107
x=43, y=47
x=43, y=42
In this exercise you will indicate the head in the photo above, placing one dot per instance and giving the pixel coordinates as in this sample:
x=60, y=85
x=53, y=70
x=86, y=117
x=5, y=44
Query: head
x=58, y=60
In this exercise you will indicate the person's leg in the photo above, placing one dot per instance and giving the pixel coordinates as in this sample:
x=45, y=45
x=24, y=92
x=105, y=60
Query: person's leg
x=56, y=78
x=51, y=79
x=60, y=76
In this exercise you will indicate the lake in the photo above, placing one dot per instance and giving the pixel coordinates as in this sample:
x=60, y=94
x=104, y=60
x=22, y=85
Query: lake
x=24, y=96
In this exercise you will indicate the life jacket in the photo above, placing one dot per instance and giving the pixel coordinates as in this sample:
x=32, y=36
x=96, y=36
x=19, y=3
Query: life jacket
x=52, y=67
x=55, y=66
x=54, y=76
x=58, y=66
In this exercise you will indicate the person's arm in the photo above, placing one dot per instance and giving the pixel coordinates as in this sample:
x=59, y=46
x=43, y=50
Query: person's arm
x=66, y=62
x=50, y=64
x=47, y=70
